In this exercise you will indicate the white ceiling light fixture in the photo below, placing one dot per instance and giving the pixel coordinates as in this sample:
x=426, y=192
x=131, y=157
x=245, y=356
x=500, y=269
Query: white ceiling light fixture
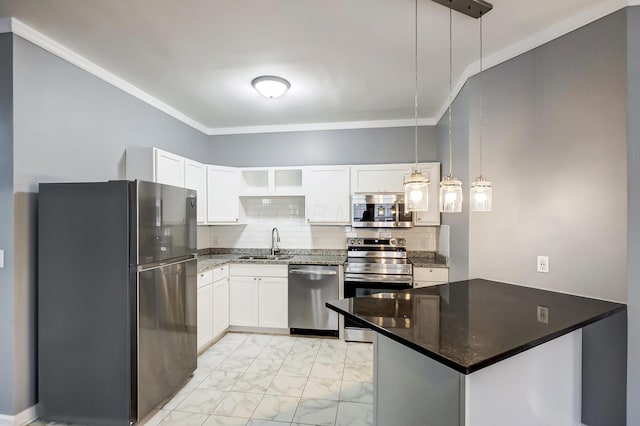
x=481, y=189
x=416, y=184
x=270, y=86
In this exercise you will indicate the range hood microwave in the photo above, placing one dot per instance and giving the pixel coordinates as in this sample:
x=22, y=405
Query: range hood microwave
x=381, y=210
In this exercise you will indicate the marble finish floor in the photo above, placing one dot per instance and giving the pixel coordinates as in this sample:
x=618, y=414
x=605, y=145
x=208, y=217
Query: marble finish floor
x=275, y=380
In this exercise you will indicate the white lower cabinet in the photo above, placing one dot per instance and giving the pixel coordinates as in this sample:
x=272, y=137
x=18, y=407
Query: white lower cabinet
x=258, y=296
x=425, y=277
x=273, y=295
x=205, y=315
x=213, y=304
x=220, y=306
x=243, y=301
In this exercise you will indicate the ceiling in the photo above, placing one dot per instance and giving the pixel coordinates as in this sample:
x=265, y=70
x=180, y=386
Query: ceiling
x=350, y=62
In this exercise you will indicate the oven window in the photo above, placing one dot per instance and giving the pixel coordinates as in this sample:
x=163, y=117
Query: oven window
x=369, y=291
x=356, y=289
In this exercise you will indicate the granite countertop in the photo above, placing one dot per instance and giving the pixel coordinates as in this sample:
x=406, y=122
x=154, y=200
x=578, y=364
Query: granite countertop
x=210, y=258
x=469, y=325
x=427, y=262
x=211, y=261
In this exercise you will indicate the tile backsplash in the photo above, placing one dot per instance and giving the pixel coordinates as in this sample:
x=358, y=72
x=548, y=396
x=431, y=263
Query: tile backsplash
x=288, y=215
x=297, y=234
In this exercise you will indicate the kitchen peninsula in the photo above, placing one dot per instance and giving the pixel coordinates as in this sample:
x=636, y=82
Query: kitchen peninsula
x=478, y=353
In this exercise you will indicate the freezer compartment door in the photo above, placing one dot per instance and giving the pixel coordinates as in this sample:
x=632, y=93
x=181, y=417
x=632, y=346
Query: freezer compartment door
x=166, y=332
x=164, y=225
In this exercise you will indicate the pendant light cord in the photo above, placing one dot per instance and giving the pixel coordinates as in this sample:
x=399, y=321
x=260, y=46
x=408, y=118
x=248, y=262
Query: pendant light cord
x=481, y=90
x=450, y=88
x=415, y=99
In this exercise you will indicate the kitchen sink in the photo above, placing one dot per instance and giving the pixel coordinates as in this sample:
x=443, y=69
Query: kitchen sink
x=268, y=257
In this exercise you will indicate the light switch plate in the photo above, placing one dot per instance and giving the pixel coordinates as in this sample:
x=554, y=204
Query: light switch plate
x=1, y=258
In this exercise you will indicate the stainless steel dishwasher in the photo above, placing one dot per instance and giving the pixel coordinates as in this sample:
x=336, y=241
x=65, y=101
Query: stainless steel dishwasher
x=310, y=287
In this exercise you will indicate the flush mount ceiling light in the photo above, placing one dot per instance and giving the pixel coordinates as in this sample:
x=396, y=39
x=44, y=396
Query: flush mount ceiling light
x=416, y=184
x=481, y=189
x=270, y=86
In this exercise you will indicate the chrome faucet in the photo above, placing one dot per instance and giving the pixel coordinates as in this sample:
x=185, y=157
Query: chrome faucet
x=275, y=239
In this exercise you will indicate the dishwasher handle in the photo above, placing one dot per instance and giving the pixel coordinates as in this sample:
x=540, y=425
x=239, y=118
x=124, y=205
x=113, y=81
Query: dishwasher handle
x=311, y=272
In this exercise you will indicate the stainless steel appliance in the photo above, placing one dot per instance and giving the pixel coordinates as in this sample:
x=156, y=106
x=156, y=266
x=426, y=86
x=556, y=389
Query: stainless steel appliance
x=310, y=287
x=379, y=211
x=376, y=266
x=116, y=299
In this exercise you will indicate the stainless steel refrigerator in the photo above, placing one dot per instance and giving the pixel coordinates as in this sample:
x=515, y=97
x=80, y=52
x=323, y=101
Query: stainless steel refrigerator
x=116, y=299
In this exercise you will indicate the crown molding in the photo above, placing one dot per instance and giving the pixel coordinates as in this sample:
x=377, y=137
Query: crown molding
x=545, y=36
x=81, y=62
x=5, y=25
x=548, y=34
x=342, y=125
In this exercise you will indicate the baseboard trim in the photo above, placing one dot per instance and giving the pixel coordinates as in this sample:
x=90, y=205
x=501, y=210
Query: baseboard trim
x=22, y=418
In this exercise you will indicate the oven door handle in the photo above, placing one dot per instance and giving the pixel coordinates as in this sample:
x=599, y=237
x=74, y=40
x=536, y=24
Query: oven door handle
x=368, y=278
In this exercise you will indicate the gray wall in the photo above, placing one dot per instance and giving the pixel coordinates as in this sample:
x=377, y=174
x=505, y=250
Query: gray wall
x=633, y=187
x=555, y=149
x=68, y=126
x=6, y=224
x=357, y=146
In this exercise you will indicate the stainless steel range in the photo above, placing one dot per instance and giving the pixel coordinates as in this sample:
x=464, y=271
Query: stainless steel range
x=375, y=266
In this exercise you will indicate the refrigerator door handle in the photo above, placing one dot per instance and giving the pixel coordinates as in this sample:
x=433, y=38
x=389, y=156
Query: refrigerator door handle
x=156, y=265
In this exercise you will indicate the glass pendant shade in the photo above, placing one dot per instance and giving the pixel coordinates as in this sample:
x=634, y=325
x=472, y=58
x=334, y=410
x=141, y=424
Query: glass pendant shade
x=416, y=192
x=450, y=195
x=481, y=193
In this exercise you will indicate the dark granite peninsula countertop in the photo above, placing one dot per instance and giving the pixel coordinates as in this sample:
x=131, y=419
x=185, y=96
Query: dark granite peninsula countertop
x=469, y=325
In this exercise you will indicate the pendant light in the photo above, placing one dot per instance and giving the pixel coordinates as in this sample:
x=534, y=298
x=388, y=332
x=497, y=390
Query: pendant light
x=450, y=187
x=416, y=184
x=481, y=191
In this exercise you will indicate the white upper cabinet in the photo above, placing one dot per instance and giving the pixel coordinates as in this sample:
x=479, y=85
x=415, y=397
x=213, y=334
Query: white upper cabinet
x=327, y=189
x=431, y=217
x=169, y=168
x=328, y=195
x=379, y=177
x=223, y=188
x=270, y=181
x=155, y=165
x=195, y=177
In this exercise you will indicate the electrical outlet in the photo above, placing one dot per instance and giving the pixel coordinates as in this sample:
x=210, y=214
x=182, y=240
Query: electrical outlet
x=543, y=264
x=543, y=314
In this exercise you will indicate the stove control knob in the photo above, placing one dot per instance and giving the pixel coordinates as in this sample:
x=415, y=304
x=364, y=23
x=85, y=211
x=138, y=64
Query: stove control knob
x=393, y=242
x=402, y=242
x=352, y=241
x=360, y=241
